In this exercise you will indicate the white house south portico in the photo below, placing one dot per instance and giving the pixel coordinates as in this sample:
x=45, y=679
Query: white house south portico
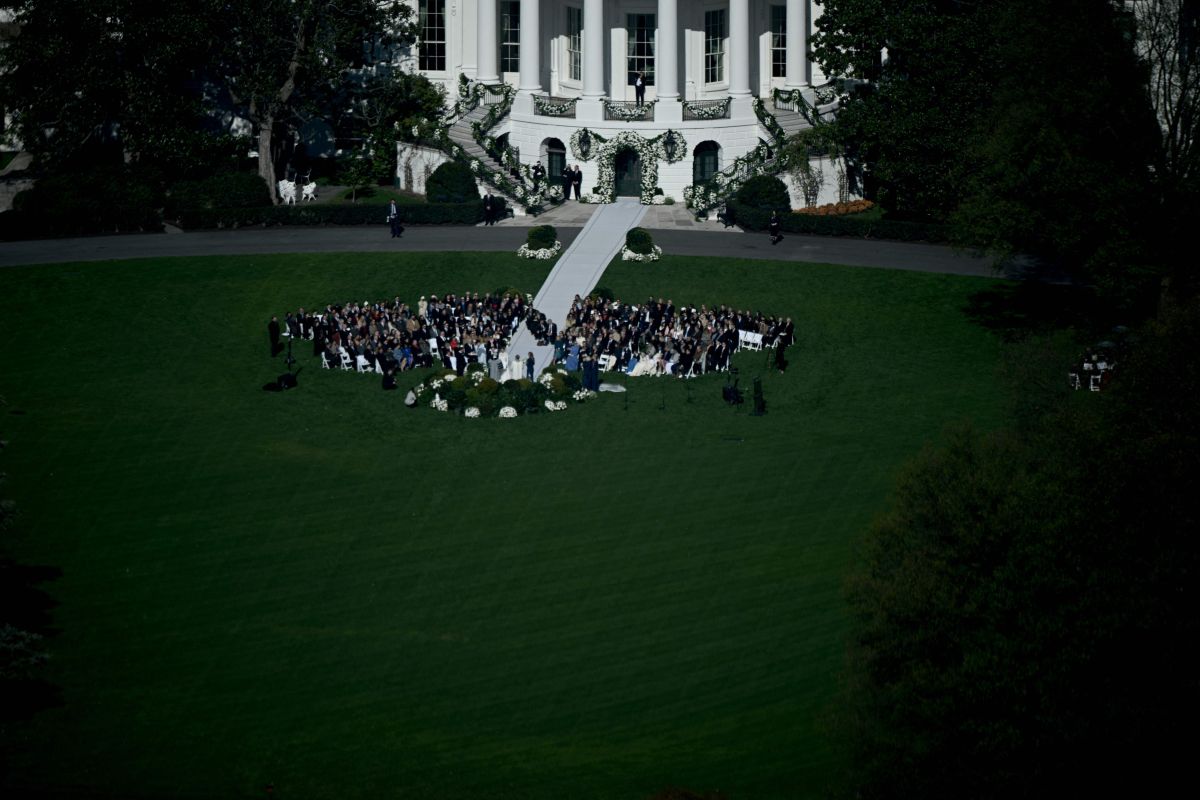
x=727, y=79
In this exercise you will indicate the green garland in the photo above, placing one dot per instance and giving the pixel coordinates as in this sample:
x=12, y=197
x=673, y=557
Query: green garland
x=587, y=145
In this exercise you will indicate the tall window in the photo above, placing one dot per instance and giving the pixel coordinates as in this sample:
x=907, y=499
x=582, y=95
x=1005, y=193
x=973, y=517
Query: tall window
x=574, y=43
x=433, y=35
x=714, y=45
x=640, y=48
x=510, y=36
x=778, y=41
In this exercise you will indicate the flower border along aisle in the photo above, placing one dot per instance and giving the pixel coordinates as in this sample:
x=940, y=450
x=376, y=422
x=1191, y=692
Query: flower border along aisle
x=587, y=145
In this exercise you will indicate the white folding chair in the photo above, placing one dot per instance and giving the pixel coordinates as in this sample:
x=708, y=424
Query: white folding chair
x=1094, y=381
x=363, y=364
x=1073, y=380
x=378, y=367
x=754, y=341
x=325, y=361
x=346, y=362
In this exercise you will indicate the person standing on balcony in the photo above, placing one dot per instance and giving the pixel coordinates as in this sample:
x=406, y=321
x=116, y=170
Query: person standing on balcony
x=639, y=89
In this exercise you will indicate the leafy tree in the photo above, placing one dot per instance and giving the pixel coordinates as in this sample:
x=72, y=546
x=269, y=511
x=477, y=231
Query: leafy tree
x=764, y=192
x=106, y=79
x=1023, y=614
x=278, y=52
x=359, y=172
x=1023, y=122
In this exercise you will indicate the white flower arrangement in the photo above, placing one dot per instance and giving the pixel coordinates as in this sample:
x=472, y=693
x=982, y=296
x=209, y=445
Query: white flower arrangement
x=508, y=412
x=472, y=412
x=545, y=379
x=438, y=403
x=555, y=193
x=659, y=200
x=583, y=394
x=544, y=254
x=555, y=405
x=628, y=255
x=435, y=384
x=420, y=390
x=477, y=377
x=449, y=377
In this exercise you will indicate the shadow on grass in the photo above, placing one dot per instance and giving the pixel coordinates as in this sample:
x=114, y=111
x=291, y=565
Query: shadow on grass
x=1015, y=311
x=25, y=605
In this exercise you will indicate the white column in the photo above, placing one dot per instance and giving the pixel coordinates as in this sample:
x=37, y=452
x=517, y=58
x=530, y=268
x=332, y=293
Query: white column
x=739, y=48
x=797, y=44
x=593, y=48
x=666, y=79
x=486, y=40
x=531, y=43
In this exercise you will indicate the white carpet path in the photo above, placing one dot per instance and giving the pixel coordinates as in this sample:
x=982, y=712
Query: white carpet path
x=578, y=271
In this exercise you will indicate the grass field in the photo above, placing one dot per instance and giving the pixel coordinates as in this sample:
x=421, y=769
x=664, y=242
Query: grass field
x=326, y=591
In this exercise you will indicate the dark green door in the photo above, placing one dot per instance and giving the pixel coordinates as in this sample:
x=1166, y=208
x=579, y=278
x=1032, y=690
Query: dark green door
x=628, y=170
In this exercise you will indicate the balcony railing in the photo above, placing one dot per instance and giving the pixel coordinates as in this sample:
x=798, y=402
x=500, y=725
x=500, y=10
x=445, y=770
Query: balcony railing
x=628, y=111
x=705, y=109
x=554, y=106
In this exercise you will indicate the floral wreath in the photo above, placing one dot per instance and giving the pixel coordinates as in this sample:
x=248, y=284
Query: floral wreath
x=588, y=145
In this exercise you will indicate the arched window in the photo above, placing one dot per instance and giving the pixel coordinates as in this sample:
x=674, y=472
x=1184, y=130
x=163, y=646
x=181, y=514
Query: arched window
x=706, y=161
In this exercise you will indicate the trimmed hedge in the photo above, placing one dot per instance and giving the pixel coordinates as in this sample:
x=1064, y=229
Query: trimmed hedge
x=104, y=198
x=899, y=230
x=225, y=190
x=335, y=214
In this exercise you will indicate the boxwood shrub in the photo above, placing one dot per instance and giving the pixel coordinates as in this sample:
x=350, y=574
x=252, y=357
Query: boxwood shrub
x=452, y=182
x=765, y=192
x=224, y=190
x=541, y=237
x=639, y=241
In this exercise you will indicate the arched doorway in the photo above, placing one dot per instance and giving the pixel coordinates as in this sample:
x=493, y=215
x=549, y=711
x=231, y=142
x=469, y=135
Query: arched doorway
x=627, y=171
x=706, y=161
x=555, y=155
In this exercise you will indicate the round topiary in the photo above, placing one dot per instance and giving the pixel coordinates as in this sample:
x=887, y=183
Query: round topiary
x=765, y=192
x=541, y=237
x=452, y=182
x=638, y=240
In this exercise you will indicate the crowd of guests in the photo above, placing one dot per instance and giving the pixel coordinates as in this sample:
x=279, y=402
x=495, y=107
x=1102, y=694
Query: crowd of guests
x=657, y=337
x=454, y=331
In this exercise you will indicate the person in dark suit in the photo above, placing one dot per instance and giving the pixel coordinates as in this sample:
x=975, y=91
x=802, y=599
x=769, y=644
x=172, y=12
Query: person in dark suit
x=774, y=227
x=530, y=363
x=577, y=181
x=539, y=172
x=639, y=88
x=567, y=177
x=273, y=335
x=489, y=209
x=393, y=216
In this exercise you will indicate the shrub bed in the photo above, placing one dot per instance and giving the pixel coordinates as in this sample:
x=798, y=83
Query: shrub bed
x=837, y=209
x=354, y=214
x=639, y=246
x=899, y=230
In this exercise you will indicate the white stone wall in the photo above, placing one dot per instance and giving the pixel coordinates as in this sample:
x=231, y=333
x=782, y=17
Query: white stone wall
x=415, y=163
x=829, y=188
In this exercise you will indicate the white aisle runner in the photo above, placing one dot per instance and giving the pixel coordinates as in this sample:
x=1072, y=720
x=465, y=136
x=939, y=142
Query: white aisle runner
x=578, y=271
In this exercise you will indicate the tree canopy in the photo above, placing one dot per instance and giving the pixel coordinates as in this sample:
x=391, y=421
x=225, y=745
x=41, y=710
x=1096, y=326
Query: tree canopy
x=1025, y=123
x=118, y=80
x=1022, y=613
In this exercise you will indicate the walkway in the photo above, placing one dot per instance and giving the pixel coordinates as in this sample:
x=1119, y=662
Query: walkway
x=579, y=269
x=573, y=214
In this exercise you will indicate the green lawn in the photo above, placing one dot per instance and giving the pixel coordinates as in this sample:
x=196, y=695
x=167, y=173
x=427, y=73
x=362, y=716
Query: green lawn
x=330, y=592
